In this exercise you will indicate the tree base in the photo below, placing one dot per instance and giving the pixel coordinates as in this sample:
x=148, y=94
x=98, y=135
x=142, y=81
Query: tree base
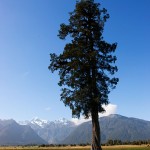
x=93, y=147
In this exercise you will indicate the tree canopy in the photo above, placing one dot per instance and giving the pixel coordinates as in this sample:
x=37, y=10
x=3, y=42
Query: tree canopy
x=87, y=64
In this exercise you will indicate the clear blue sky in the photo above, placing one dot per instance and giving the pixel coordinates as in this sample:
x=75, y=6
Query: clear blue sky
x=28, y=34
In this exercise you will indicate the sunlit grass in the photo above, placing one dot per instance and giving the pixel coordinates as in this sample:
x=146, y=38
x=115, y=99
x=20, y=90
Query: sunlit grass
x=121, y=147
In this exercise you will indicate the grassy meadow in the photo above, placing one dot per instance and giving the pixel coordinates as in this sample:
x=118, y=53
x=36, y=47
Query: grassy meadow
x=121, y=147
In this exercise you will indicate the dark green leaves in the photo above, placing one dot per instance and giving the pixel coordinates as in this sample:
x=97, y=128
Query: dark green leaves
x=87, y=62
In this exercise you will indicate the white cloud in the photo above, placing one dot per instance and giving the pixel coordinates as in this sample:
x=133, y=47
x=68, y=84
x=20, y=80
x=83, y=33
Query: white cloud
x=110, y=109
x=79, y=121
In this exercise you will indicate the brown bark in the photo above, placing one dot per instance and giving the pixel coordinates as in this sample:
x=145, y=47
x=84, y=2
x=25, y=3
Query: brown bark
x=95, y=145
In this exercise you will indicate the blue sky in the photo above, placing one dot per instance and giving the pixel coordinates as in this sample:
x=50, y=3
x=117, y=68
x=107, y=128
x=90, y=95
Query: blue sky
x=28, y=34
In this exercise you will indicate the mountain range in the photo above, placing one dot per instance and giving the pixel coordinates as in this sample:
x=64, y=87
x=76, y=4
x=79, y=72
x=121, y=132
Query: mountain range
x=115, y=127
x=37, y=131
x=11, y=133
x=52, y=131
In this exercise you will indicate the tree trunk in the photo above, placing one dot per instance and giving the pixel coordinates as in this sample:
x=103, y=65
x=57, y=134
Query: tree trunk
x=95, y=145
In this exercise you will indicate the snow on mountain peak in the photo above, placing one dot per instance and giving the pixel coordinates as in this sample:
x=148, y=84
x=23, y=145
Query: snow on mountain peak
x=62, y=121
x=42, y=123
x=39, y=122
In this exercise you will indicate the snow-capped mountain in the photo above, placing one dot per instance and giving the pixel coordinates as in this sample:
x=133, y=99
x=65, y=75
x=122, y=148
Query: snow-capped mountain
x=39, y=122
x=35, y=121
x=51, y=131
x=42, y=123
x=62, y=121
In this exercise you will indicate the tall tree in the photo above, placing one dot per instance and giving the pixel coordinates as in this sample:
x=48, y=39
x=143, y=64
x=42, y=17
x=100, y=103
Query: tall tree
x=86, y=64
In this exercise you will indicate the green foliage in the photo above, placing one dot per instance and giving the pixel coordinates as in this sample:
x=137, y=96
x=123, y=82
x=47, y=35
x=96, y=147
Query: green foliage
x=87, y=62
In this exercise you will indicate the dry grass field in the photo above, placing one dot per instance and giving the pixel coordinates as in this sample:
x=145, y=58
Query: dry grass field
x=121, y=147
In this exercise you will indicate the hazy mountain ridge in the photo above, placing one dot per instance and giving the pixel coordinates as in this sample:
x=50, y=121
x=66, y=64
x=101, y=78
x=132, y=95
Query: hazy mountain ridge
x=11, y=133
x=63, y=131
x=112, y=127
x=124, y=128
